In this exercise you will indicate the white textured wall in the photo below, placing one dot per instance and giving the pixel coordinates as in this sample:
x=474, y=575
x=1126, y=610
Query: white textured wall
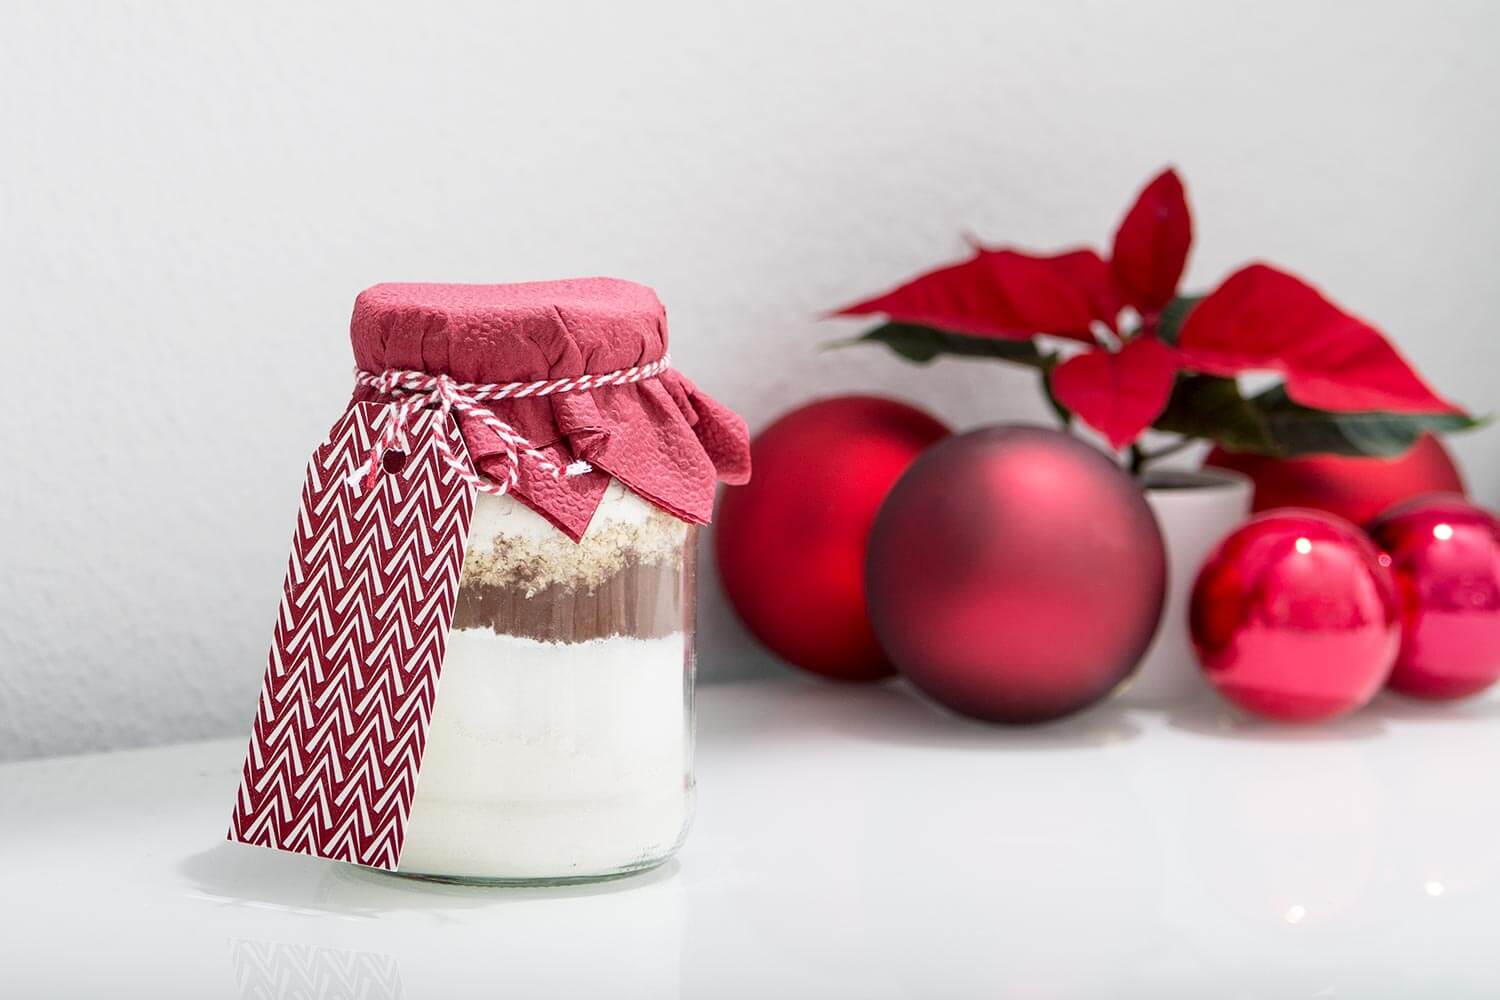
x=192, y=193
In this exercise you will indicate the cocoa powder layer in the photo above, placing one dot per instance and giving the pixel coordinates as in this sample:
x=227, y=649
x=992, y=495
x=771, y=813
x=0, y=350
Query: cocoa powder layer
x=642, y=600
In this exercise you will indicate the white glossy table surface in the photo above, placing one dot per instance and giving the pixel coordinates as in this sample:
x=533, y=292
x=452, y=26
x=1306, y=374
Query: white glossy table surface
x=849, y=843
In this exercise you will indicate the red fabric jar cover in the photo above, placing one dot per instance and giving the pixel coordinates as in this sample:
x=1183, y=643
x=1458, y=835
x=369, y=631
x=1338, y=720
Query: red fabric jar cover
x=661, y=437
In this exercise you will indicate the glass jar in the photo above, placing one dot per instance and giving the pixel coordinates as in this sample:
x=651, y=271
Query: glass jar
x=560, y=745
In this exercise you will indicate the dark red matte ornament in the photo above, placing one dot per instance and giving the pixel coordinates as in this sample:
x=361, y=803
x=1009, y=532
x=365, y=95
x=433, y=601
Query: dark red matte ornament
x=1445, y=553
x=791, y=544
x=1356, y=489
x=1294, y=616
x=1015, y=574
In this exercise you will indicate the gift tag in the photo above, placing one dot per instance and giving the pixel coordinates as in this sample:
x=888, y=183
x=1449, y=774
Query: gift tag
x=358, y=646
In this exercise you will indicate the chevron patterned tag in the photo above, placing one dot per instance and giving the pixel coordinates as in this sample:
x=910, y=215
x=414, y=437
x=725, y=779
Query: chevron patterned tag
x=358, y=647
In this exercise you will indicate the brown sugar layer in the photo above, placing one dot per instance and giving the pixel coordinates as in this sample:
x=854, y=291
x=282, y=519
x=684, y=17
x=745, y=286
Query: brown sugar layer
x=507, y=549
x=642, y=600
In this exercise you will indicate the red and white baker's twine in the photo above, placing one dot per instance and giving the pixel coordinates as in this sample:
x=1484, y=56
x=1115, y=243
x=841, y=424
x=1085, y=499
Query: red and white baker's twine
x=414, y=391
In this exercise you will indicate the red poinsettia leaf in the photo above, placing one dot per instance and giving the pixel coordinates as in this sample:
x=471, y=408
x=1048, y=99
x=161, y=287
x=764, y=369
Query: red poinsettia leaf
x=1262, y=319
x=1086, y=270
x=1118, y=394
x=1003, y=293
x=1151, y=245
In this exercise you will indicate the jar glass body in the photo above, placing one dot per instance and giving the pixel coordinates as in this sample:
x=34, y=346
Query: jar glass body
x=560, y=746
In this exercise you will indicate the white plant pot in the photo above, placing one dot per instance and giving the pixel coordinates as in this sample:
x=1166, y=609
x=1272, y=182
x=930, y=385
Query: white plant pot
x=1195, y=510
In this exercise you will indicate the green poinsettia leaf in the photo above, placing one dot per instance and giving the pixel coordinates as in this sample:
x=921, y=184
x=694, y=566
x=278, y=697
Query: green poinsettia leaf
x=1206, y=406
x=1300, y=430
x=923, y=343
x=1173, y=315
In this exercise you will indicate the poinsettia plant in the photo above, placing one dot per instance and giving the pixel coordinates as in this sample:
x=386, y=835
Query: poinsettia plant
x=1122, y=349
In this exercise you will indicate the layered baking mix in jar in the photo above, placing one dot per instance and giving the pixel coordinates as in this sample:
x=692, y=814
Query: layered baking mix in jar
x=560, y=742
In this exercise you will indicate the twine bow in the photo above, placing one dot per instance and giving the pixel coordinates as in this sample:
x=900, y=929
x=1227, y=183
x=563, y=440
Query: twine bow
x=412, y=391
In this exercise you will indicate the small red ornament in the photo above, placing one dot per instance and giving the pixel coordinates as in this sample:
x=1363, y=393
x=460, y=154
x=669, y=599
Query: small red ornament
x=790, y=545
x=1015, y=574
x=1294, y=616
x=1445, y=554
x=1356, y=489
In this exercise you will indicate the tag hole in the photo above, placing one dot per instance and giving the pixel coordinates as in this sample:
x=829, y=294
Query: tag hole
x=394, y=461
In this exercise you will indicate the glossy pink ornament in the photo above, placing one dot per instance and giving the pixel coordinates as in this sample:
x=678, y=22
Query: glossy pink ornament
x=1015, y=574
x=1445, y=553
x=1294, y=616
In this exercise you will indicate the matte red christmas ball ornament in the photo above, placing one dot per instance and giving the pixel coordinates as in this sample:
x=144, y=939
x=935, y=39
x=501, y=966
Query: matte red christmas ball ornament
x=1356, y=489
x=1445, y=554
x=1294, y=616
x=1015, y=574
x=790, y=545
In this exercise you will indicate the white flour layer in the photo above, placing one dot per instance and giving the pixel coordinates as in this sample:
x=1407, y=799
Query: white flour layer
x=548, y=760
x=504, y=515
